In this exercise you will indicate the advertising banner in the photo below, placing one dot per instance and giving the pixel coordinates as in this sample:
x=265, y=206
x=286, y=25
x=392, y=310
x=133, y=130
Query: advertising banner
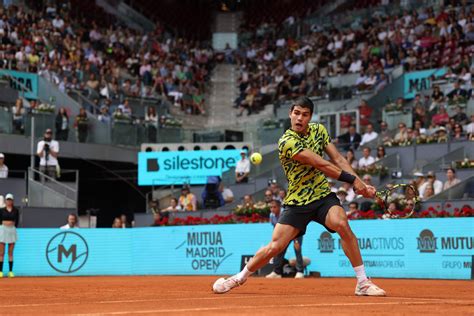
x=417, y=81
x=415, y=248
x=178, y=167
x=24, y=81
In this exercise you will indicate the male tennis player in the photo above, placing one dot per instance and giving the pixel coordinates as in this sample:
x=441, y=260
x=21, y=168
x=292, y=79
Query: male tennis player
x=309, y=197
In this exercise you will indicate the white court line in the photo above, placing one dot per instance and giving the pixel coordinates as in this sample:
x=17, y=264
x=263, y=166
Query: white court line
x=204, y=309
x=222, y=297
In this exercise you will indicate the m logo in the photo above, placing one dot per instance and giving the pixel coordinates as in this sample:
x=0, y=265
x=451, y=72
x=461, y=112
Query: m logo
x=326, y=243
x=67, y=252
x=426, y=241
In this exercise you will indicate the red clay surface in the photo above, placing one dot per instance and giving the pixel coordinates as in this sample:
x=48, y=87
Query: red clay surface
x=259, y=296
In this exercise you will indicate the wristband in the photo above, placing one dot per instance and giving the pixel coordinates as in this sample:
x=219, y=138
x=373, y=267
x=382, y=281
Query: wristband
x=346, y=177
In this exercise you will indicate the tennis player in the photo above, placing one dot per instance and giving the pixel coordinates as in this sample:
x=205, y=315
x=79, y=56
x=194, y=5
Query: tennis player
x=309, y=197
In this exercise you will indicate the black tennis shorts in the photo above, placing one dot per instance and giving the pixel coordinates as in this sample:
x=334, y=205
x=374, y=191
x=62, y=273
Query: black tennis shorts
x=301, y=216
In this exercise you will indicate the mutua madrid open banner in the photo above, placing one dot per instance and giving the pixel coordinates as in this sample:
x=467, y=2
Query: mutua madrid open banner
x=178, y=167
x=439, y=248
x=417, y=81
x=23, y=81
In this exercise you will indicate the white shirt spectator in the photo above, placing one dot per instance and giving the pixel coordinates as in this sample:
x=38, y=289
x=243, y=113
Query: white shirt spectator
x=437, y=185
x=227, y=194
x=243, y=166
x=58, y=22
x=361, y=79
x=268, y=56
x=356, y=66
x=68, y=227
x=368, y=137
x=52, y=161
x=298, y=69
x=280, y=42
x=3, y=172
x=364, y=162
x=370, y=81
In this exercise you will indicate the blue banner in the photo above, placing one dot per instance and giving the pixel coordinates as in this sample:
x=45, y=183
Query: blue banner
x=417, y=81
x=415, y=248
x=178, y=167
x=24, y=81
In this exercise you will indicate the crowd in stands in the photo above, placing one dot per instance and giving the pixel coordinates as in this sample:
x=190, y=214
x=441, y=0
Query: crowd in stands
x=105, y=63
x=276, y=66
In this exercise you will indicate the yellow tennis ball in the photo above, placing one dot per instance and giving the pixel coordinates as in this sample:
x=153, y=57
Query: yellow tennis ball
x=256, y=158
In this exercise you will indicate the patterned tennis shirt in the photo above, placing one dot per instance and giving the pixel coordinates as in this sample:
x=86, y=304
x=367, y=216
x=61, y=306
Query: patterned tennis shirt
x=305, y=183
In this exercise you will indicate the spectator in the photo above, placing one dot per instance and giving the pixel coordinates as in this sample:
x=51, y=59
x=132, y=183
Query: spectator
x=62, y=124
x=19, y=116
x=342, y=195
x=82, y=124
x=48, y=151
x=268, y=197
x=351, y=139
x=384, y=134
x=460, y=117
x=458, y=93
x=402, y=135
x=3, y=167
x=367, y=179
x=353, y=210
x=367, y=159
x=281, y=195
x=242, y=169
x=117, y=223
x=469, y=129
x=437, y=98
x=173, y=207
x=151, y=121
x=441, y=118
x=72, y=222
x=436, y=184
x=211, y=196
x=187, y=200
x=126, y=223
x=126, y=109
x=274, y=188
x=227, y=193
x=419, y=180
x=351, y=159
x=457, y=133
x=104, y=115
x=350, y=191
x=247, y=202
x=451, y=179
x=369, y=134
x=380, y=153
x=428, y=192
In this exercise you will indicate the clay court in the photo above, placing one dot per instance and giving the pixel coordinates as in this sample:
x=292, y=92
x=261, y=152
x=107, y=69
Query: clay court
x=192, y=295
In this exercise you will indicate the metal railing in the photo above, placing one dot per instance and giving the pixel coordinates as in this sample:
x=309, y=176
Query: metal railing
x=445, y=161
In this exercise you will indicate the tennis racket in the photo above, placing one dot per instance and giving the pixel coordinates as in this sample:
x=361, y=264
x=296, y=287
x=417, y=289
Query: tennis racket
x=398, y=200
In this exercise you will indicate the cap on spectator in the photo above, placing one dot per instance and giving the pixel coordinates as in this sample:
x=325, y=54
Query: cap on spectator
x=341, y=190
x=418, y=174
x=9, y=196
x=2, y=156
x=431, y=174
x=441, y=129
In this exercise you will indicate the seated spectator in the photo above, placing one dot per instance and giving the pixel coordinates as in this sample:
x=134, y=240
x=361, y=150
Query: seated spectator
x=62, y=125
x=268, y=197
x=380, y=153
x=367, y=179
x=281, y=195
x=81, y=124
x=126, y=109
x=460, y=117
x=353, y=210
x=402, y=135
x=187, y=200
x=242, y=169
x=211, y=196
x=384, y=134
x=350, y=140
x=227, y=193
x=126, y=222
x=351, y=159
x=72, y=222
x=458, y=94
x=104, y=115
x=367, y=159
x=173, y=207
x=428, y=192
x=457, y=133
x=117, y=223
x=274, y=188
x=350, y=191
x=436, y=184
x=469, y=128
x=247, y=202
x=441, y=135
x=3, y=167
x=437, y=98
x=369, y=134
x=342, y=195
x=441, y=118
x=451, y=179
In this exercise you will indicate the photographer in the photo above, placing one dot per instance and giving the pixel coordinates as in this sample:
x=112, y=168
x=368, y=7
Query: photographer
x=48, y=150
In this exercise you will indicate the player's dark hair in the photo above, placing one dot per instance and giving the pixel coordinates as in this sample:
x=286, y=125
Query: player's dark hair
x=304, y=102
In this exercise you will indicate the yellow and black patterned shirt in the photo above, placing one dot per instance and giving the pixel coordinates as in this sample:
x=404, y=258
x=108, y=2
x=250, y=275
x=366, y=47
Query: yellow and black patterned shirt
x=305, y=183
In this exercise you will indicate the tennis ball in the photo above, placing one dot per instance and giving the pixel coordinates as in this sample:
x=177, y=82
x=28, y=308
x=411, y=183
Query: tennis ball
x=256, y=158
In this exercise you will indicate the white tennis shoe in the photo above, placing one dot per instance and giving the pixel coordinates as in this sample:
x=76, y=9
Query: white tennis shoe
x=367, y=288
x=224, y=285
x=299, y=275
x=273, y=275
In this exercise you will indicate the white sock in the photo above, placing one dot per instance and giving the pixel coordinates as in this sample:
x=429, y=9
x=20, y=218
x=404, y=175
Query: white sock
x=244, y=274
x=360, y=273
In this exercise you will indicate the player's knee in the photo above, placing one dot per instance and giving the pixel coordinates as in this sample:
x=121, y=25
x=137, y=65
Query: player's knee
x=274, y=248
x=341, y=225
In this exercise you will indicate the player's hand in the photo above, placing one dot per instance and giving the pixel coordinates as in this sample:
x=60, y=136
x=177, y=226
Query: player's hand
x=361, y=188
